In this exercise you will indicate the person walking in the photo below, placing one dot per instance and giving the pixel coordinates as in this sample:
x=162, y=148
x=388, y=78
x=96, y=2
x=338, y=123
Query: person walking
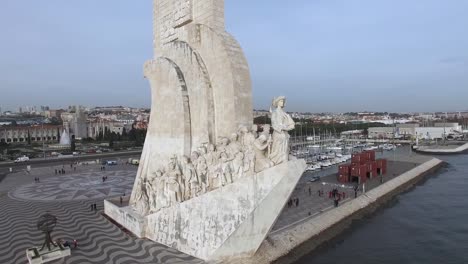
x=75, y=243
x=121, y=200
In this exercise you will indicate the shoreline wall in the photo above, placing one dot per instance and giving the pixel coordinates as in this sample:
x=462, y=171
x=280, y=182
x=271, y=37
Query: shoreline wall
x=289, y=245
x=458, y=150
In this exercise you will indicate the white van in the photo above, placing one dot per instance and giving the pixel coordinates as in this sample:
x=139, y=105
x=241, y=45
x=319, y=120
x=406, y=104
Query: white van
x=22, y=159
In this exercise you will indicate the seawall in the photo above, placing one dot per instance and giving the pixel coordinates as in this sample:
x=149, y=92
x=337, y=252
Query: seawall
x=443, y=151
x=290, y=244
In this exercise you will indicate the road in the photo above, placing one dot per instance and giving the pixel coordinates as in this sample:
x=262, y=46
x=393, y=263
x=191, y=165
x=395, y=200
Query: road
x=4, y=166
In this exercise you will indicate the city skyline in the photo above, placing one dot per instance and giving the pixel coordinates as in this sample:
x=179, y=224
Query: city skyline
x=387, y=56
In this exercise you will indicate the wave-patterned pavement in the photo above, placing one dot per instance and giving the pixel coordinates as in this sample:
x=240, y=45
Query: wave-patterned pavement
x=99, y=241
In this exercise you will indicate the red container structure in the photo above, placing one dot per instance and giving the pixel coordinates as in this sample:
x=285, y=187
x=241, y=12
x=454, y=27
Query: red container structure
x=381, y=166
x=369, y=155
x=357, y=158
x=363, y=167
x=359, y=174
x=372, y=169
x=344, y=173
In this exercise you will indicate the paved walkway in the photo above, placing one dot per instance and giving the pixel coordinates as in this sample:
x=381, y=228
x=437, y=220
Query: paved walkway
x=99, y=240
x=311, y=204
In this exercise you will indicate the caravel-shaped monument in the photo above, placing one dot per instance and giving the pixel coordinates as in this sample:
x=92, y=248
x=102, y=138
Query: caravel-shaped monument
x=208, y=184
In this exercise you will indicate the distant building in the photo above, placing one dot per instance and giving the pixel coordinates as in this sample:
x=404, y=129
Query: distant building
x=37, y=133
x=75, y=123
x=54, y=113
x=438, y=131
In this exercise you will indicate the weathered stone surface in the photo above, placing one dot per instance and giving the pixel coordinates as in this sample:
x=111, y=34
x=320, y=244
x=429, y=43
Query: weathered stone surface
x=226, y=223
x=200, y=81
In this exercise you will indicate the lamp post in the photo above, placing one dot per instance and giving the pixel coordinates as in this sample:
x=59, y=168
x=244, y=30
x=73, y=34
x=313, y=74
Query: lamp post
x=43, y=139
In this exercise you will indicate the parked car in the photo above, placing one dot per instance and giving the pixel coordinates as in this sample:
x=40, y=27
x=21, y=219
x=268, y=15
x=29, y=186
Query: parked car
x=111, y=162
x=314, y=179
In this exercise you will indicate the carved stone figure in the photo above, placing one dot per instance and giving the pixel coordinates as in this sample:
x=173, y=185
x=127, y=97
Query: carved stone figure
x=247, y=140
x=261, y=161
x=174, y=182
x=211, y=159
x=188, y=172
x=159, y=184
x=238, y=166
x=281, y=123
x=142, y=198
x=234, y=146
x=201, y=169
x=226, y=169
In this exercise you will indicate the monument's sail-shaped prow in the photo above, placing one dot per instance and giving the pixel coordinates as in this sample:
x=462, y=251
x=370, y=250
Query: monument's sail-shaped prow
x=199, y=79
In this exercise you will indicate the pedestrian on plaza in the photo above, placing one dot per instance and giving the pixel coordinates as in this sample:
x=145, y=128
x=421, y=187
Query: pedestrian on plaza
x=344, y=195
x=297, y=202
x=55, y=171
x=60, y=171
x=121, y=200
x=310, y=191
x=103, y=179
x=95, y=207
x=336, y=202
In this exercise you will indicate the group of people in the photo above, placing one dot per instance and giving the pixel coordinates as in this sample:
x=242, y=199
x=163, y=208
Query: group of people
x=60, y=171
x=336, y=196
x=66, y=243
x=293, y=202
x=212, y=166
x=209, y=168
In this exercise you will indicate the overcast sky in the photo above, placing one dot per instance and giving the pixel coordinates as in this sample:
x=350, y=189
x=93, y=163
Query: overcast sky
x=324, y=55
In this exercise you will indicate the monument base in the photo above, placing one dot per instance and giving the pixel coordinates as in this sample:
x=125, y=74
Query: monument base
x=223, y=224
x=35, y=256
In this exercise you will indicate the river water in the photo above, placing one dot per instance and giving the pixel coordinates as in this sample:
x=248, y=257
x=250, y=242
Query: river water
x=427, y=225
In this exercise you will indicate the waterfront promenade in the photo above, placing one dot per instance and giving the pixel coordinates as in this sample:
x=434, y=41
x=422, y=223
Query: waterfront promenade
x=69, y=197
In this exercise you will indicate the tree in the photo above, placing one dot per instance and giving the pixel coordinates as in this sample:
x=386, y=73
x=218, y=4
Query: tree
x=29, y=138
x=73, y=145
x=124, y=134
x=58, y=134
x=112, y=137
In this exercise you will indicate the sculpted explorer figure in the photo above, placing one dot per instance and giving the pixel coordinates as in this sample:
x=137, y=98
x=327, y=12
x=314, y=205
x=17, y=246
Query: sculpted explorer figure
x=261, y=161
x=281, y=123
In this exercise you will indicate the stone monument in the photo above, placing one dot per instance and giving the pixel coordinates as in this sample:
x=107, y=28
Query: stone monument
x=206, y=185
x=50, y=250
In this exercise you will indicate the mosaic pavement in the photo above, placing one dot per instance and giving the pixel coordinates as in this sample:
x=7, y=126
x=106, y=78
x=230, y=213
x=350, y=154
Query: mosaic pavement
x=84, y=186
x=69, y=197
